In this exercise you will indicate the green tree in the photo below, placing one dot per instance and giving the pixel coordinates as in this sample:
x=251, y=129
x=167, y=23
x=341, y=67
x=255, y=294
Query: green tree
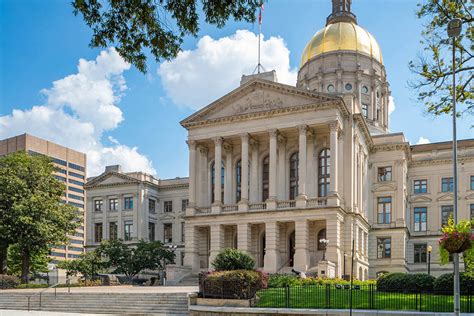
x=233, y=259
x=136, y=27
x=33, y=215
x=131, y=260
x=434, y=68
x=38, y=262
x=88, y=264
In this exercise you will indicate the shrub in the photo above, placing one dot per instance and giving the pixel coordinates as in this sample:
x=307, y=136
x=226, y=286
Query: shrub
x=237, y=284
x=233, y=259
x=282, y=280
x=8, y=281
x=32, y=286
x=444, y=284
x=402, y=282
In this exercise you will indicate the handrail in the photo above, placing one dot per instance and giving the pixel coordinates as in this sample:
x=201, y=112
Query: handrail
x=283, y=266
x=44, y=290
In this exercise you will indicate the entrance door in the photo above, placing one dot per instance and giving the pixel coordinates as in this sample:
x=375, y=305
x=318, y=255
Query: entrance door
x=291, y=250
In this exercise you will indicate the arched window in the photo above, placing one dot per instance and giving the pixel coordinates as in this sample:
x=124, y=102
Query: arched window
x=265, y=177
x=321, y=235
x=238, y=181
x=213, y=181
x=294, y=175
x=324, y=165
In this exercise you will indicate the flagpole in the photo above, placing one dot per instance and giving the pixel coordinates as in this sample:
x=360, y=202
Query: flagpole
x=259, y=33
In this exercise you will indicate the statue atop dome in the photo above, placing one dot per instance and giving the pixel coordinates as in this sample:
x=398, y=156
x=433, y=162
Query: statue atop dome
x=341, y=12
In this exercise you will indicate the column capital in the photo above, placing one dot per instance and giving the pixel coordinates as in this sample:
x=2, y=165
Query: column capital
x=218, y=141
x=273, y=132
x=244, y=137
x=202, y=149
x=191, y=143
x=281, y=139
x=253, y=143
x=334, y=126
x=227, y=147
x=302, y=129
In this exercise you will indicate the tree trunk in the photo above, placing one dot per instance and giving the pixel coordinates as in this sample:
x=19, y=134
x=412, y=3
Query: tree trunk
x=25, y=266
x=3, y=258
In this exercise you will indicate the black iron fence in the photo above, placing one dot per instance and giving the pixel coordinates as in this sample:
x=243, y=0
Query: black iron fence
x=338, y=296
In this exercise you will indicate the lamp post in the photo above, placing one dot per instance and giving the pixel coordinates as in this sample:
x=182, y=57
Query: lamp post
x=429, y=249
x=454, y=30
x=345, y=275
x=324, y=244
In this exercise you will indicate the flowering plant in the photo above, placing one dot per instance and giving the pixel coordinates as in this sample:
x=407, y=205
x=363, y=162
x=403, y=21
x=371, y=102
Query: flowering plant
x=456, y=238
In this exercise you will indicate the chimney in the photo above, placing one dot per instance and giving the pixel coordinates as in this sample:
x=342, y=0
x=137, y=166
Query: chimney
x=268, y=75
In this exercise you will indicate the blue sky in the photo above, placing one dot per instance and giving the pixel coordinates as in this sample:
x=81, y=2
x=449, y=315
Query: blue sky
x=42, y=41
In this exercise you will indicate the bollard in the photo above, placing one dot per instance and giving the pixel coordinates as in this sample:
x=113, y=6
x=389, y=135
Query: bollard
x=40, y=299
x=28, y=303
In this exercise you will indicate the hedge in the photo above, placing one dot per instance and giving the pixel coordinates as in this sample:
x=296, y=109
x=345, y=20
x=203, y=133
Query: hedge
x=444, y=284
x=282, y=280
x=402, y=282
x=8, y=281
x=233, y=259
x=237, y=284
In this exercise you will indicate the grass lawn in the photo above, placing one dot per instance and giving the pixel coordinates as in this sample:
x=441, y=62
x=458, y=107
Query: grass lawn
x=322, y=297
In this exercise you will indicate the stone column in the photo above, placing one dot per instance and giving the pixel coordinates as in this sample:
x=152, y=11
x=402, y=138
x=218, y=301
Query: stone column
x=89, y=229
x=272, y=254
x=136, y=218
x=228, y=179
x=191, y=256
x=302, y=258
x=243, y=237
x=302, y=129
x=273, y=165
x=244, y=184
x=202, y=181
x=105, y=211
x=334, y=126
x=119, y=218
x=253, y=194
x=217, y=171
x=217, y=241
x=192, y=173
x=334, y=234
x=281, y=168
x=311, y=168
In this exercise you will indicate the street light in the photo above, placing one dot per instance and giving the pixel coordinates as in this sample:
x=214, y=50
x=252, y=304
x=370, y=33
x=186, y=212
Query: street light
x=345, y=256
x=454, y=30
x=429, y=249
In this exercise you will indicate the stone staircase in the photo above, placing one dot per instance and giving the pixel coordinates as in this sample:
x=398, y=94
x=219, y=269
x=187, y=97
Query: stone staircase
x=172, y=304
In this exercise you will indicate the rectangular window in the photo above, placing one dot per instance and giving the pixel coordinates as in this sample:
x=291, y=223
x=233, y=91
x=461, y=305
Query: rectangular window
x=58, y=254
x=77, y=167
x=420, y=186
x=75, y=248
x=75, y=197
x=384, y=174
x=57, y=169
x=59, y=161
x=384, y=210
x=113, y=205
x=168, y=206
x=152, y=206
x=79, y=205
x=184, y=205
x=128, y=203
x=76, y=190
x=384, y=248
x=98, y=232
x=472, y=183
x=419, y=253
x=182, y=258
x=63, y=179
x=365, y=110
x=183, y=231
x=98, y=205
x=128, y=230
x=472, y=211
x=151, y=231
x=420, y=219
x=167, y=233
x=80, y=183
x=113, y=231
x=446, y=213
x=447, y=184
x=77, y=175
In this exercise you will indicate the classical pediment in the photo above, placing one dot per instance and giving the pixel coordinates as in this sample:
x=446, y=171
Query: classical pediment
x=446, y=197
x=261, y=97
x=420, y=198
x=110, y=178
x=387, y=186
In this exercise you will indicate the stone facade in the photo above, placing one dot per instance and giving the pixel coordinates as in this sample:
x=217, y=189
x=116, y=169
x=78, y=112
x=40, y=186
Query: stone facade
x=136, y=206
x=301, y=164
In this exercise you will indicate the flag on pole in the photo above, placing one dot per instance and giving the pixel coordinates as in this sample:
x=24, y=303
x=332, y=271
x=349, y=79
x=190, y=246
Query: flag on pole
x=260, y=14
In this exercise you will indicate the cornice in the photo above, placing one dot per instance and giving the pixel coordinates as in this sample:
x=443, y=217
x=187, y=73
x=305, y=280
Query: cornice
x=173, y=186
x=105, y=175
x=362, y=124
x=433, y=162
x=393, y=147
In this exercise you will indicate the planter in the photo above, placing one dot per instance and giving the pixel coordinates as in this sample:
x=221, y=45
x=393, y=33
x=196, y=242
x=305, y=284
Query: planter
x=219, y=302
x=456, y=244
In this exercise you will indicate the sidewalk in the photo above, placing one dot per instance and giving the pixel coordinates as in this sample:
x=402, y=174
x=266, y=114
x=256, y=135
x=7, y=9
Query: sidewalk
x=113, y=289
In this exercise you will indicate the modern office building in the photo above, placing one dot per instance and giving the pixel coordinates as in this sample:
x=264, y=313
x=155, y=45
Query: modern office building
x=279, y=170
x=135, y=206
x=70, y=169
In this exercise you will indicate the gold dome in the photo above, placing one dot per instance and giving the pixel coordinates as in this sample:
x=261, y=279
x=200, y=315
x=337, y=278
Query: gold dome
x=342, y=36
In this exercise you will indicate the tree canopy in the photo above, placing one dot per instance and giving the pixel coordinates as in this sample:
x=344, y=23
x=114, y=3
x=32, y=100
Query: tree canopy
x=136, y=27
x=434, y=67
x=32, y=213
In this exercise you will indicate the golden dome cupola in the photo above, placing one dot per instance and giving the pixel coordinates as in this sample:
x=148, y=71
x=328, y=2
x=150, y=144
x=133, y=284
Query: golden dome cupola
x=345, y=58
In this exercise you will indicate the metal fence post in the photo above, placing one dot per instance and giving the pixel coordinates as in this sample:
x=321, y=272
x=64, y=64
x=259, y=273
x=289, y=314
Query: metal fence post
x=421, y=306
x=287, y=296
x=28, y=303
x=40, y=299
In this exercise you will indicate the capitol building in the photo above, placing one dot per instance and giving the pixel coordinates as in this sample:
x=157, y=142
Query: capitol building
x=278, y=170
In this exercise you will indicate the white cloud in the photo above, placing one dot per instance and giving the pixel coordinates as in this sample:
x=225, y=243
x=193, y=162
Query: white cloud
x=391, y=105
x=78, y=110
x=423, y=140
x=197, y=77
